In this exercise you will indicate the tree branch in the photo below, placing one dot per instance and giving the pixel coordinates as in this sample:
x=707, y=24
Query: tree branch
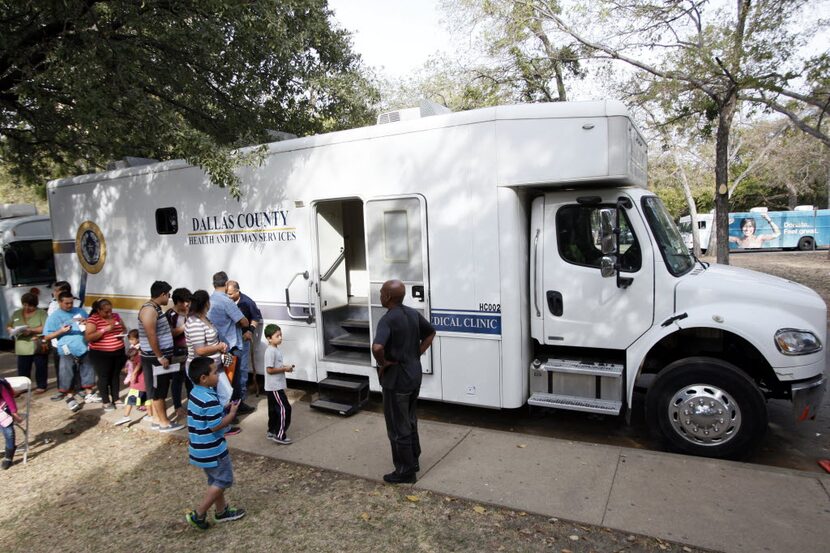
x=796, y=120
x=616, y=54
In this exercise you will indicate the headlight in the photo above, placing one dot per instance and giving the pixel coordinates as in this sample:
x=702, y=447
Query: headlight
x=791, y=341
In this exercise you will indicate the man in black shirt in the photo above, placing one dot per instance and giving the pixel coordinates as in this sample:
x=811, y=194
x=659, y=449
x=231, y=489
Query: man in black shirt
x=403, y=335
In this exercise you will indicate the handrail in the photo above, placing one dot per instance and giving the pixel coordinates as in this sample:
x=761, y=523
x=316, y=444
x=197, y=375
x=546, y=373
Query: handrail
x=307, y=318
x=535, y=273
x=327, y=275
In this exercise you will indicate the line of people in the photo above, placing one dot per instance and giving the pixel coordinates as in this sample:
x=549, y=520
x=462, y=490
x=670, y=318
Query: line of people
x=221, y=325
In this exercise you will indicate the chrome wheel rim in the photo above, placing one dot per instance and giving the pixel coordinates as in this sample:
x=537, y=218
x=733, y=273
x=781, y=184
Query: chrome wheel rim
x=705, y=415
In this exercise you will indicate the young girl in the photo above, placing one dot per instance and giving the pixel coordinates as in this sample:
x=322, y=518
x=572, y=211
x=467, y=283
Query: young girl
x=137, y=394
x=8, y=416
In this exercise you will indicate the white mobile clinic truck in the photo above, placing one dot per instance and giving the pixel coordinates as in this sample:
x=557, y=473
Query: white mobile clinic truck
x=26, y=263
x=503, y=223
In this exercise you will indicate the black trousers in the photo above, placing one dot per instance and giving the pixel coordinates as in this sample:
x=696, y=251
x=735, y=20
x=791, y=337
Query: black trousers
x=108, y=365
x=24, y=368
x=279, y=413
x=176, y=381
x=399, y=410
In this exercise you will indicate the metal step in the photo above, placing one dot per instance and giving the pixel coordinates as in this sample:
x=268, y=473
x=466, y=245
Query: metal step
x=344, y=409
x=351, y=341
x=357, y=324
x=343, y=384
x=576, y=366
x=358, y=300
x=574, y=403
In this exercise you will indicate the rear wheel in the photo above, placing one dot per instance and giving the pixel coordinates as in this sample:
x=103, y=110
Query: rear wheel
x=708, y=407
x=806, y=243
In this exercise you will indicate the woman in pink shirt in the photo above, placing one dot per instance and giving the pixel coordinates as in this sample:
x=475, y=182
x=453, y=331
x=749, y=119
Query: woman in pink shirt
x=105, y=335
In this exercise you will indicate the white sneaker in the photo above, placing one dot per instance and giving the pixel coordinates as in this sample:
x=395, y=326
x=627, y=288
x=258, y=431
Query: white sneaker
x=92, y=398
x=123, y=420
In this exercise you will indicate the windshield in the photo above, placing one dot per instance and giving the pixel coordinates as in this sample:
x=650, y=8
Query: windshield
x=675, y=254
x=685, y=227
x=34, y=262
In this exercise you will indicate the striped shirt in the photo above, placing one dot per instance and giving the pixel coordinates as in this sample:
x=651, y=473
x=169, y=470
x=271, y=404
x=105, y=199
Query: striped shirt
x=112, y=340
x=204, y=412
x=163, y=334
x=200, y=334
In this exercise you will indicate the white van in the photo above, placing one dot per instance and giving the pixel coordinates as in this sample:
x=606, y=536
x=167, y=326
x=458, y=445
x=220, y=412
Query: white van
x=503, y=224
x=26, y=262
x=704, y=230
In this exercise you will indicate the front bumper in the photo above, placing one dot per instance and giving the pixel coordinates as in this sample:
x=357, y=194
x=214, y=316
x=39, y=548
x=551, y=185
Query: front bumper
x=807, y=397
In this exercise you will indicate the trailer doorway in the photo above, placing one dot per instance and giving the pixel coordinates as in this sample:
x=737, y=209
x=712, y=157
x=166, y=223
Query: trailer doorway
x=343, y=282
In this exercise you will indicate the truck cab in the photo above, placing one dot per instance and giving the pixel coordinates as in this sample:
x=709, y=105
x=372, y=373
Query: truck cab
x=617, y=300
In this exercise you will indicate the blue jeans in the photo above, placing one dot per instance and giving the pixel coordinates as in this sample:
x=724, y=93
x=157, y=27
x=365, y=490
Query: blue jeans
x=221, y=476
x=8, y=433
x=244, y=368
x=68, y=365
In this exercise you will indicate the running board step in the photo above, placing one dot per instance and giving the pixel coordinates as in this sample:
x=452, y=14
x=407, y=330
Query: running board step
x=345, y=409
x=575, y=403
x=343, y=384
x=342, y=394
x=576, y=366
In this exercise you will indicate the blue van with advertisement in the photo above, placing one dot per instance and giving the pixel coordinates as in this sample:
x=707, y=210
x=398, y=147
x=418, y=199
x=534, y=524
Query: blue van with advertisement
x=803, y=228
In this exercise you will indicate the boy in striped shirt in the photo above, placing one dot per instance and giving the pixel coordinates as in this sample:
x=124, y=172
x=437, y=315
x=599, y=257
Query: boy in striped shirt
x=208, y=450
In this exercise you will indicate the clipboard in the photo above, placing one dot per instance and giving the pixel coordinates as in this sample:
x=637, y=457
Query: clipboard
x=159, y=369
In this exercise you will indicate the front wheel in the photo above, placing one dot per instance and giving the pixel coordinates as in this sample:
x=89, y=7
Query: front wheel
x=707, y=407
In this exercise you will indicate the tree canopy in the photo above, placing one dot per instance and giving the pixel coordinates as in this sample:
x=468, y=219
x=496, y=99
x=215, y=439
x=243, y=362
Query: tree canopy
x=707, y=61
x=84, y=82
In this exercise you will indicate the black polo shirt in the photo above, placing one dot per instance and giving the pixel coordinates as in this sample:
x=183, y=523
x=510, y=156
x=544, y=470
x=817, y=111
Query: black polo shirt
x=400, y=332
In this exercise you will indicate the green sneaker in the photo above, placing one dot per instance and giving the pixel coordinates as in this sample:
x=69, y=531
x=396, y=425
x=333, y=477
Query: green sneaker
x=229, y=514
x=196, y=522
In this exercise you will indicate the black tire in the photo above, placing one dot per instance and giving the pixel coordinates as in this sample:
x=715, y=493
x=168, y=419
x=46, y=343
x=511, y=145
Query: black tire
x=806, y=243
x=730, y=392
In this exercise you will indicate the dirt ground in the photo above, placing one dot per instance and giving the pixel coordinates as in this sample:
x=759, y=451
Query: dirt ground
x=90, y=486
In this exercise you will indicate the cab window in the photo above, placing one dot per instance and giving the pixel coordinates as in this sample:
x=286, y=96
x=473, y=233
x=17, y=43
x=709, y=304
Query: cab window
x=578, y=236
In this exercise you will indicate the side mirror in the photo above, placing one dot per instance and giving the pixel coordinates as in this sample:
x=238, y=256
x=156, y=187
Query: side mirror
x=607, y=238
x=608, y=266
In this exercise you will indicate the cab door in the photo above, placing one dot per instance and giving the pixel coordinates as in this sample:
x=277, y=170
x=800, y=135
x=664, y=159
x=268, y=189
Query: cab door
x=396, y=248
x=573, y=304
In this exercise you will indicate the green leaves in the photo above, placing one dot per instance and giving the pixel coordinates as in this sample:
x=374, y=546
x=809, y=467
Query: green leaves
x=86, y=82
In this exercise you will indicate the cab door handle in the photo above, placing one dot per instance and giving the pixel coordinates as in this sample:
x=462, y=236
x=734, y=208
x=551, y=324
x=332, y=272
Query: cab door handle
x=555, y=303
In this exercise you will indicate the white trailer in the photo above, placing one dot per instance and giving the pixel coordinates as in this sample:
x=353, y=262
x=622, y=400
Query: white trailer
x=704, y=230
x=503, y=223
x=26, y=262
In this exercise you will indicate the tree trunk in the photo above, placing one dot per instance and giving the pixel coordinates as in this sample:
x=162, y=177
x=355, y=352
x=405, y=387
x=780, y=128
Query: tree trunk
x=553, y=56
x=725, y=116
x=690, y=201
x=792, y=197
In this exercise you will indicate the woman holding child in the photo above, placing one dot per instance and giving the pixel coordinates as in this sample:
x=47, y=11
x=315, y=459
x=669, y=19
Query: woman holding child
x=104, y=333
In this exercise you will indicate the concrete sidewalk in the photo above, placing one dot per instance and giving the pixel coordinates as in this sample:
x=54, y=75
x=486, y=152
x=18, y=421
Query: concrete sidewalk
x=719, y=505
